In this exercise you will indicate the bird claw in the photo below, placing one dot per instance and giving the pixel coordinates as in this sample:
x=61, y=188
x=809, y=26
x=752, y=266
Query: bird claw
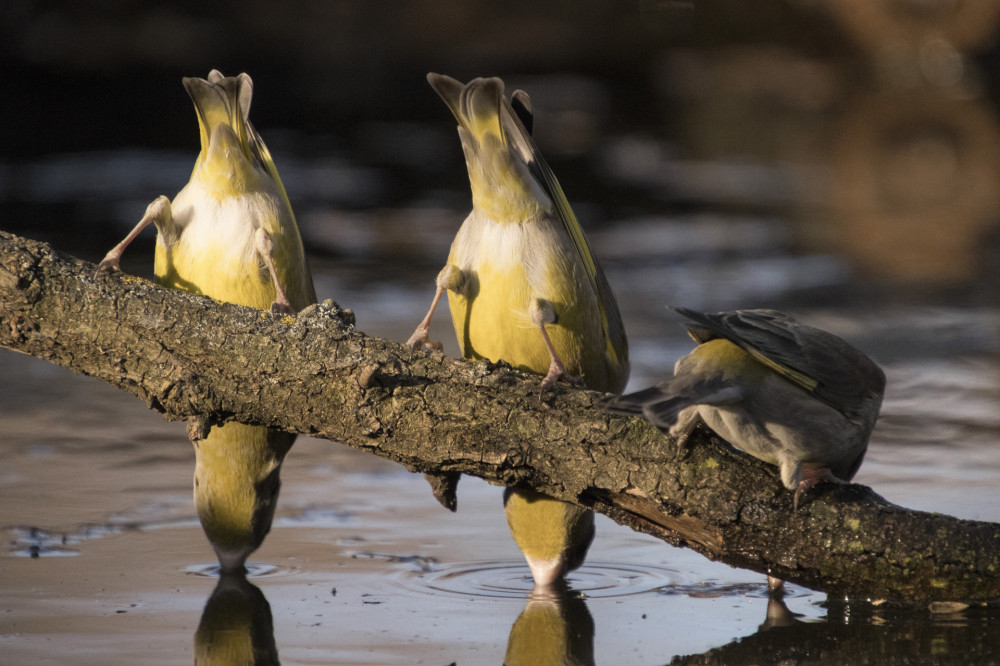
x=108, y=265
x=811, y=479
x=420, y=340
x=279, y=309
x=554, y=376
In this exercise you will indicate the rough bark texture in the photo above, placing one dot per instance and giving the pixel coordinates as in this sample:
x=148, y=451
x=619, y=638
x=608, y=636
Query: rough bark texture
x=190, y=357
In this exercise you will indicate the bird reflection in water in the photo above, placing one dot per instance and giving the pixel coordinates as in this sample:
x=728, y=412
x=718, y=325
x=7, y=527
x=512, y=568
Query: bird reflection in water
x=555, y=627
x=236, y=626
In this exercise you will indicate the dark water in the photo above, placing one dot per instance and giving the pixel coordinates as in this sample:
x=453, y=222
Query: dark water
x=718, y=158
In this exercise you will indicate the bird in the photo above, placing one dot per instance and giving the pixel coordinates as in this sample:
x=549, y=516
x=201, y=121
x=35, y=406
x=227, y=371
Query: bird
x=230, y=234
x=524, y=287
x=789, y=394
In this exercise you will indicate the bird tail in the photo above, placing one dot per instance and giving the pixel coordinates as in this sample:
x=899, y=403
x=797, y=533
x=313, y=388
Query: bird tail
x=656, y=403
x=225, y=100
x=663, y=403
x=496, y=144
x=631, y=403
x=222, y=100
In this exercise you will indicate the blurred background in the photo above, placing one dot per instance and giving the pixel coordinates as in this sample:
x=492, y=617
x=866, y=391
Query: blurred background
x=839, y=160
x=869, y=128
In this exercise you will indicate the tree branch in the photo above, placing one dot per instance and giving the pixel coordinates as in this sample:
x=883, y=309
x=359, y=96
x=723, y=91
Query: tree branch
x=190, y=357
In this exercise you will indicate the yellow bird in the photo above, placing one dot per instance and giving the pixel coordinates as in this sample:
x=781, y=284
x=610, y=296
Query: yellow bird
x=230, y=234
x=555, y=628
x=524, y=287
x=789, y=394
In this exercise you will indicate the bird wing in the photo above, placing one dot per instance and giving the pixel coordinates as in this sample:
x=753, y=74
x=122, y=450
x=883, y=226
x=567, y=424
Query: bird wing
x=261, y=156
x=816, y=361
x=519, y=137
x=259, y=153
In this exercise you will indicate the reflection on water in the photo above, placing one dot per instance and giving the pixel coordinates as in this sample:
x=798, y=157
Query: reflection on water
x=557, y=628
x=554, y=628
x=236, y=626
x=851, y=631
x=858, y=189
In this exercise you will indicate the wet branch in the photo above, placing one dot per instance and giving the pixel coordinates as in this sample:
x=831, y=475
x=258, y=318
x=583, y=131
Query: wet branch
x=190, y=357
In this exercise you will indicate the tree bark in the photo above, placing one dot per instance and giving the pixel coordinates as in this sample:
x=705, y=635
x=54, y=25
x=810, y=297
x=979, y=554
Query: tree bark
x=191, y=357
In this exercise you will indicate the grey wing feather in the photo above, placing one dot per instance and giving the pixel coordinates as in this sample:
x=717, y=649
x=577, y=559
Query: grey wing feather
x=662, y=404
x=844, y=377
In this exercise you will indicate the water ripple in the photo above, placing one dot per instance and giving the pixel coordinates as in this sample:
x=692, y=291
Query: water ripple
x=254, y=570
x=512, y=580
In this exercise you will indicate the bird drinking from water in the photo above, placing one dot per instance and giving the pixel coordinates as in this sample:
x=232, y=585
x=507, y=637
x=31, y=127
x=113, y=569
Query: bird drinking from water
x=524, y=287
x=230, y=234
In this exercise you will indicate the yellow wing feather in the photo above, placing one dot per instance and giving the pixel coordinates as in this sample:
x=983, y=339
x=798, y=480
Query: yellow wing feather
x=520, y=138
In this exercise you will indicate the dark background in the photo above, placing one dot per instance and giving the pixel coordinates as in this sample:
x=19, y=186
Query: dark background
x=870, y=127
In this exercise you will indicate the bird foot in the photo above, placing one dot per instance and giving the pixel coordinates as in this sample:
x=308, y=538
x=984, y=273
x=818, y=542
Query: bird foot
x=110, y=263
x=279, y=308
x=687, y=421
x=811, y=478
x=551, y=379
x=157, y=213
x=556, y=372
x=421, y=340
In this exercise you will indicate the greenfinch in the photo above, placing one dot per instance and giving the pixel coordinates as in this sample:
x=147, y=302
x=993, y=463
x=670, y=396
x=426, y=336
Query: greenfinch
x=789, y=394
x=524, y=287
x=230, y=234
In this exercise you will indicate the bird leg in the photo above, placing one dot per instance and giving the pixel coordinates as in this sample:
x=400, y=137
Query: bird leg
x=810, y=478
x=450, y=278
x=265, y=248
x=157, y=213
x=542, y=314
x=687, y=420
x=421, y=335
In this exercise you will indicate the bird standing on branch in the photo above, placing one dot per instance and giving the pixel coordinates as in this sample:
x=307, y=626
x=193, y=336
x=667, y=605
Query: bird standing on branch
x=230, y=234
x=523, y=287
x=789, y=394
